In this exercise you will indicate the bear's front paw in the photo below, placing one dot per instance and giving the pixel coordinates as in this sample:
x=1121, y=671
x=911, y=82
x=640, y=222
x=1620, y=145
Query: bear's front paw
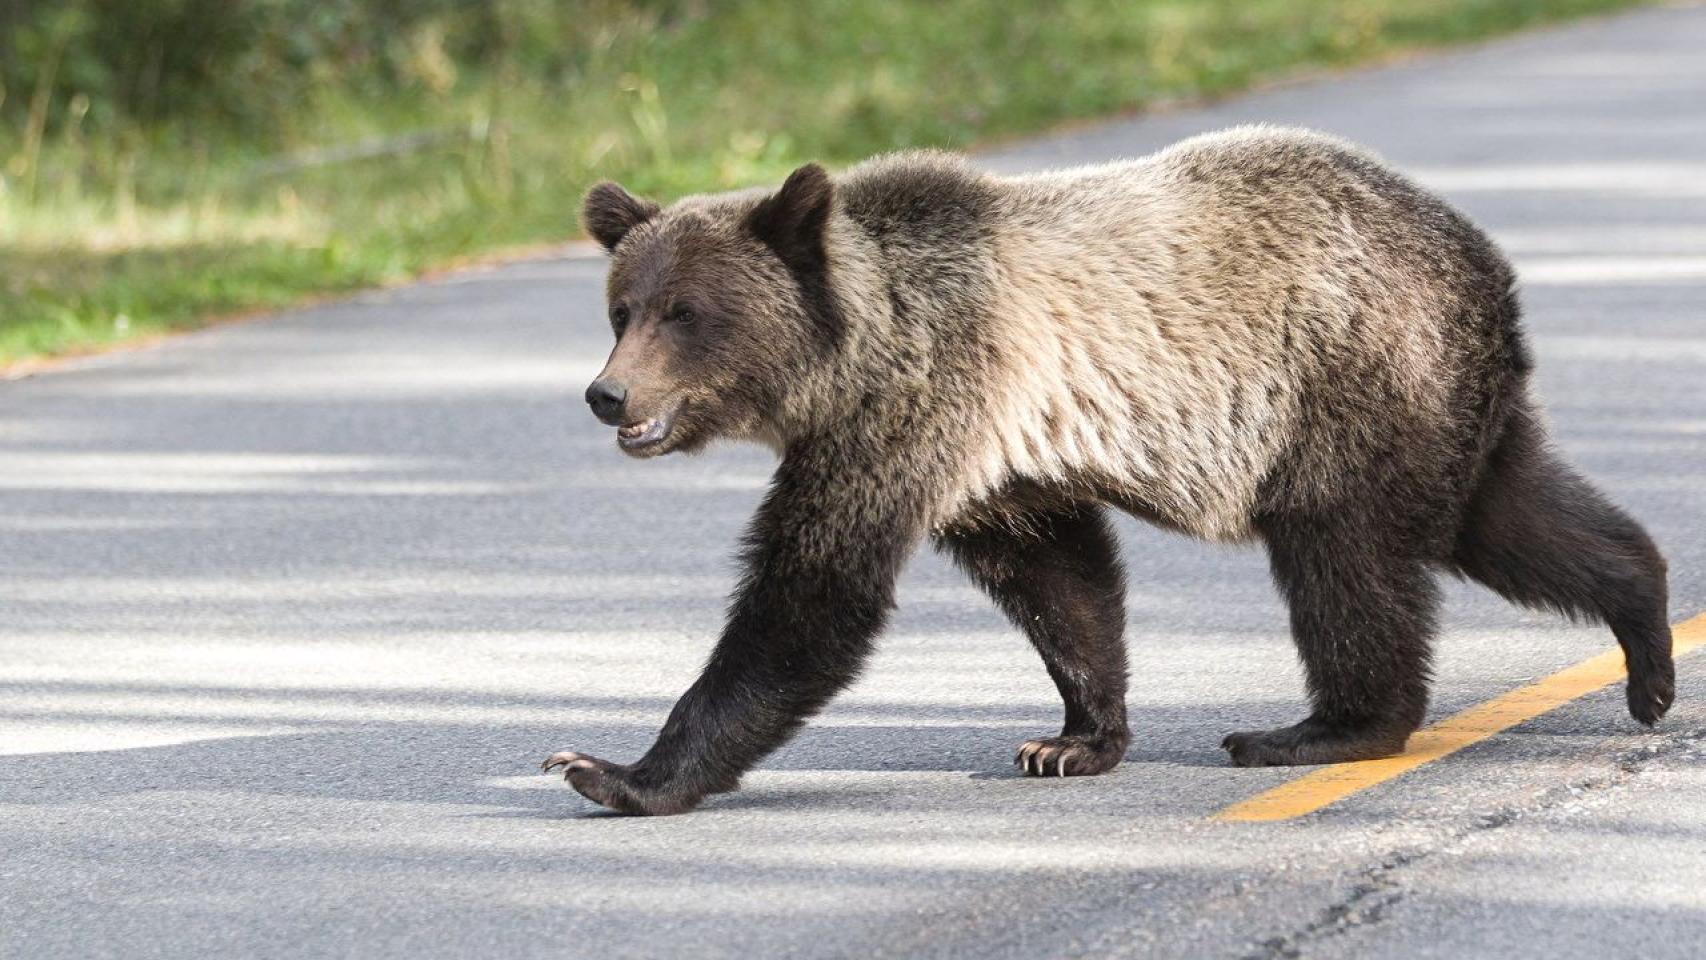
x=1070, y=756
x=614, y=785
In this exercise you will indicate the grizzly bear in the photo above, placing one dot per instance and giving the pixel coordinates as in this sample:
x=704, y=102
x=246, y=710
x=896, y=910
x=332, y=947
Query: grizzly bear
x=1256, y=335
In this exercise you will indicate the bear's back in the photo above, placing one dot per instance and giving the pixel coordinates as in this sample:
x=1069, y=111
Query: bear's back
x=1182, y=324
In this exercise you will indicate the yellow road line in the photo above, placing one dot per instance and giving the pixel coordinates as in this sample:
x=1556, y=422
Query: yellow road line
x=1334, y=783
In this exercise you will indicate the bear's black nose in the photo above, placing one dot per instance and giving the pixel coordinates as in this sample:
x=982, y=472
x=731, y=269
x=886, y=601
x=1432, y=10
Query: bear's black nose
x=606, y=398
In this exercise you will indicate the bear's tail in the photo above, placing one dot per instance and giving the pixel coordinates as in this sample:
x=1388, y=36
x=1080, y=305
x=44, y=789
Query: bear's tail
x=1543, y=537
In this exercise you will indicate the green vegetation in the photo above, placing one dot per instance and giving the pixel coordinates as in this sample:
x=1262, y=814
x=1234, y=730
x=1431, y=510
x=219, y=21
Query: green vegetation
x=164, y=160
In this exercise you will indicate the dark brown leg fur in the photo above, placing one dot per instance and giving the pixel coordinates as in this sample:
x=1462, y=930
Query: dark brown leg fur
x=1362, y=605
x=1362, y=615
x=1057, y=576
x=1541, y=536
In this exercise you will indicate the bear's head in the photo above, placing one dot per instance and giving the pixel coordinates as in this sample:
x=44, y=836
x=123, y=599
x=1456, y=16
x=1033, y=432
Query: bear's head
x=721, y=306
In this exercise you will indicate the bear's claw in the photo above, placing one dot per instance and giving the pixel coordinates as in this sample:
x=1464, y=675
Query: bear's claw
x=567, y=759
x=612, y=785
x=1068, y=756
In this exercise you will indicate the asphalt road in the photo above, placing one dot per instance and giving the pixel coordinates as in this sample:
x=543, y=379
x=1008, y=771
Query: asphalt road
x=290, y=610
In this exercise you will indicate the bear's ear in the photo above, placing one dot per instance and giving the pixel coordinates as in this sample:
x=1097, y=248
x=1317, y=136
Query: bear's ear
x=791, y=220
x=609, y=212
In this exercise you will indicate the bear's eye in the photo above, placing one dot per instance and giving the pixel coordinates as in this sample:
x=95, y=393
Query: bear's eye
x=683, y=316
x=619, y=317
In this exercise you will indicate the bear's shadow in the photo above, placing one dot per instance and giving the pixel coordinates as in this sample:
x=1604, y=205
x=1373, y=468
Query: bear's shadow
x=490, y=765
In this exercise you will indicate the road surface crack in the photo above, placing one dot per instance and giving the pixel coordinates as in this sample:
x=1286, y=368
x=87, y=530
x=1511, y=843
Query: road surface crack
x=1378, y=888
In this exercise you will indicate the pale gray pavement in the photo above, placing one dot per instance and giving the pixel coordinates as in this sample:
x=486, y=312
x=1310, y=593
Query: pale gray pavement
x=291, y=609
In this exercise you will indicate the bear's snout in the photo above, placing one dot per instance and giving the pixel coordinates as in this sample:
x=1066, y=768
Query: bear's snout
x=607, y=398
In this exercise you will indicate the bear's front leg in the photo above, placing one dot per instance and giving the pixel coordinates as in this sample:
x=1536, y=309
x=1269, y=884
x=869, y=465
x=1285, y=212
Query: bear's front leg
x=820, y=571
x=1056, y=573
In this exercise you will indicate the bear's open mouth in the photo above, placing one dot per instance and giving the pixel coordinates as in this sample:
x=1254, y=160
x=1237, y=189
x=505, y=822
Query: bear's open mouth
x=642, y=434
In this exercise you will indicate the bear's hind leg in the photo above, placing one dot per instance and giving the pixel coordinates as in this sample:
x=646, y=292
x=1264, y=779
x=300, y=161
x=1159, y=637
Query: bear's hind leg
x=1057, y=576
x=1362, y=615
x=1543, y=537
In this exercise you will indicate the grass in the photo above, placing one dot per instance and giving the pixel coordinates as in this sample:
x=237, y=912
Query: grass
x=102, y=239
